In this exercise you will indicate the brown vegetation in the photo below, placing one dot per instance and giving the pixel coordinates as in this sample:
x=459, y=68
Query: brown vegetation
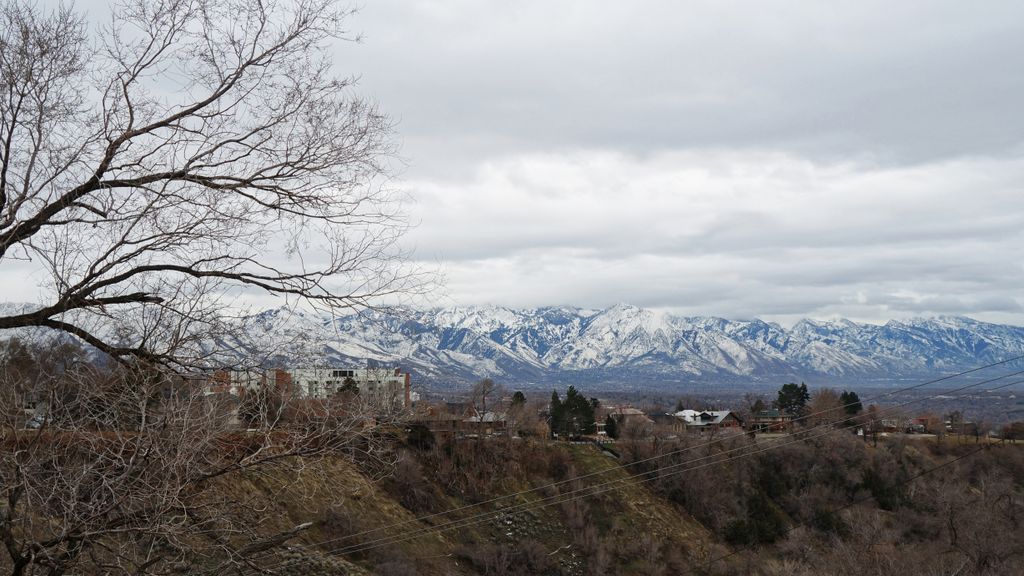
x=130, y=470
x=839, y=505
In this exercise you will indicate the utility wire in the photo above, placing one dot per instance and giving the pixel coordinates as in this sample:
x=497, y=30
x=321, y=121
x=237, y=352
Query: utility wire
x=465, y=522
x=590, y=491
x=861, y=500
x=710, y=443
x=593, y=490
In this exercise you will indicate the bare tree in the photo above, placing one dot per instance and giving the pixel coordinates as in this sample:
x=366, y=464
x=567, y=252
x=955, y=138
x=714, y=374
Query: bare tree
x=136, y=471
x=483, y=397
x=484, y=392
x=752, y=404
x=156, y=169
x=825, y=407
x=184, y=153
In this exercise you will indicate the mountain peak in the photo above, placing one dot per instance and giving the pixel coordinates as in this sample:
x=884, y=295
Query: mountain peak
x=621, y=344
x=628, y=343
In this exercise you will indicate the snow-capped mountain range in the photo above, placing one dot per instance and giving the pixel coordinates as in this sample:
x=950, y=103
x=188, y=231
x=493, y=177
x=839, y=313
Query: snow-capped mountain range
x=618, y=347
x=629, y=346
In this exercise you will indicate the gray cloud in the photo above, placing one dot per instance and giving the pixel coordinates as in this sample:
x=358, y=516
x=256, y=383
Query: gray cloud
x=777, y=160
x=803, y=160
x=906, y=82
x=735, y=234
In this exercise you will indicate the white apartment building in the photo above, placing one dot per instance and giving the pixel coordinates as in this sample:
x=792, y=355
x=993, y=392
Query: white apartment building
x=388, y=386
x=380, y=386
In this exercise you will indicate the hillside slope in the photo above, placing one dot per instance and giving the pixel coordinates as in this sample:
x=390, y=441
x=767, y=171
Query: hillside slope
x=831, y=505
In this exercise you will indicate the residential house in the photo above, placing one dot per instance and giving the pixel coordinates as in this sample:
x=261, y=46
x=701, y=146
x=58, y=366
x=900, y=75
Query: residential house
x=631, y=421
x=484, y=424
x=919, y=425
x=771, y=421
x=892, y=425
x=708, y=420
x=444, y=424
x=456, y=419
x=962, y=427
x=664, y=420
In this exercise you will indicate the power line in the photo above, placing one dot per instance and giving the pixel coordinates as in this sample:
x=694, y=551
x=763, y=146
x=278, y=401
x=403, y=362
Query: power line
x=710, y=443
x=465, y=522
x=592, y=490
x=848, y=505
x=589, y=491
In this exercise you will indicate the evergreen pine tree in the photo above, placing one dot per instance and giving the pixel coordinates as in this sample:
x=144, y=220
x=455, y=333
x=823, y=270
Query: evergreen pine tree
x=793, y=398
x=556, y=414
x=611, y=427
x=851, y=403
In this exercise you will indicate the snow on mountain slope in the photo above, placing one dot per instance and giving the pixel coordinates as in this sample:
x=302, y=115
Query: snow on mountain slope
x=623, y=343
x=630, y=343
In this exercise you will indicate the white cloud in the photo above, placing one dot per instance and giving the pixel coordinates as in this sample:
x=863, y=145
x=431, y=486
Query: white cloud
x=782, y=159
x=735, y=234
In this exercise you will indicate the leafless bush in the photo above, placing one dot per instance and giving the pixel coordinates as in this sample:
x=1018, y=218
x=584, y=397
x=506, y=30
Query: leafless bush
x=560, y=465
x=523, y=559
x=131, y=470
x=411, y=488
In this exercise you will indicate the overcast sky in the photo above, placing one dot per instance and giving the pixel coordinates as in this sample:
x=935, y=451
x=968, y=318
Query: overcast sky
x=770, y=159
x=739, y=159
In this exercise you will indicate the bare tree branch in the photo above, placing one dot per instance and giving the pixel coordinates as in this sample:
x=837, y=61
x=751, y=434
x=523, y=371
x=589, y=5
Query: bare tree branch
x=198, y=144
x=134, y=470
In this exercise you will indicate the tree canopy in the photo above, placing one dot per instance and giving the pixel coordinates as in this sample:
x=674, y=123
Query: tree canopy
x=793, y=398
x=611, y=427
x=518, y=399
x=851, y=403
x=574, y=415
